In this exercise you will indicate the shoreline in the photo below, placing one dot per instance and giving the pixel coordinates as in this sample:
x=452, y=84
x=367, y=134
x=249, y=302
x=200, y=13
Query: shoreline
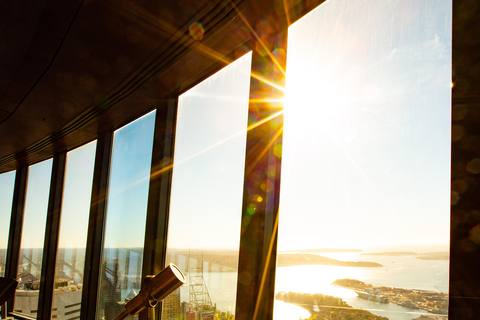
x=431, y=301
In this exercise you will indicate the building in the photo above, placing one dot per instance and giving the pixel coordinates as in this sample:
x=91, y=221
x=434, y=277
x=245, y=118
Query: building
x=172, y=306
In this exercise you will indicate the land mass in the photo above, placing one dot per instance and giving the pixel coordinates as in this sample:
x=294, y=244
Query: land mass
x=324, y=250
x=422, y=256
x=435, y=256
x=227, y=260
x=326, y=307
x=296, y=259
x=431, y=301
x=395, y=253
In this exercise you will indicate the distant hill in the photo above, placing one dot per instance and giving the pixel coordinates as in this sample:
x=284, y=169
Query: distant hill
x=228, y=259
x=434, y=256
x=325, y=250
x=296, y=259
x=422, y=256
x=394, y=253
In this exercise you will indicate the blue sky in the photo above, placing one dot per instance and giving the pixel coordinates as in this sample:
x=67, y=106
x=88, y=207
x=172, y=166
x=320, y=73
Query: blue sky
x=129, y=183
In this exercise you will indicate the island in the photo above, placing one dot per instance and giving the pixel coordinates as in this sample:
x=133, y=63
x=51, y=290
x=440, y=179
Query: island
x=296, y=259
x=431, y=301
x=326, y=307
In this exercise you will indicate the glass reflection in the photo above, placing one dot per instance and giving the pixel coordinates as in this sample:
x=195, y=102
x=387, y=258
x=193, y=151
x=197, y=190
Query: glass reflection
x=77, y=191
x=366, y=160
x=206, y=198
x=121, y=271
x=7, y=181
x=33, y=236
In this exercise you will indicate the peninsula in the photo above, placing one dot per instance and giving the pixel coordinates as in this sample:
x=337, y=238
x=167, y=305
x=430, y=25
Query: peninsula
x=297, y=259
x=326, y=307
x=431, y=301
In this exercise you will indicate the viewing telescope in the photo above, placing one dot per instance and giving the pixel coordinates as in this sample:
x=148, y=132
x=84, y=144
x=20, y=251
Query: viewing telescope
x=154, y=289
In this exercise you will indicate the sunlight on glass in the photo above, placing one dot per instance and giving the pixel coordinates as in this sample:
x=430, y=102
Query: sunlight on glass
x=207, y=189
x=7, y=181
x=77, y=192
x=33, y=237
x=366, y=160
x=121, y=272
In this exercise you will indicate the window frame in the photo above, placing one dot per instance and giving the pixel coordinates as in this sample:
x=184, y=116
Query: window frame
x=159, y=195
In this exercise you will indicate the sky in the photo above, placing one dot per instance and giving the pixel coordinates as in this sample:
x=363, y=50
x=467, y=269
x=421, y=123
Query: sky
x=36, y=204
x=210, y=142
x=7, y=181
x=366, y=154
x=77, y=192
x=129, y=183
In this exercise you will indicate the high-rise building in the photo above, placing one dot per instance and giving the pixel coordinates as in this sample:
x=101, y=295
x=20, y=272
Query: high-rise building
x=171, y=307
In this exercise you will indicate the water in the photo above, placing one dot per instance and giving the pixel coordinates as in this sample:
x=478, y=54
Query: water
x=398, y=271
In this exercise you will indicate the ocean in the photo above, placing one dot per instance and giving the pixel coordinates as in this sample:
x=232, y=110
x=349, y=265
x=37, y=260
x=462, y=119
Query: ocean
x=405, y=271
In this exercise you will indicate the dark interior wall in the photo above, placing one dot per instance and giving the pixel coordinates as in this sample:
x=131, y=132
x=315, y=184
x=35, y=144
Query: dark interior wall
x=465, y=210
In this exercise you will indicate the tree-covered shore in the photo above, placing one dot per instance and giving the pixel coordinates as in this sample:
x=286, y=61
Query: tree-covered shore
x=326, y=307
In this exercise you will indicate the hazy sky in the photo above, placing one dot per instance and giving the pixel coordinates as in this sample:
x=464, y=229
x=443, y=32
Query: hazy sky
x=366, y=157
x=36, y=204
x=366, y=154
x=77, y=192
x=7, y=181
x=207, y=187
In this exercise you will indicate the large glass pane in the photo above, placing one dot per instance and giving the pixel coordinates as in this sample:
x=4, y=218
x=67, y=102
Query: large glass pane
x=7, y=181
x=366, y=162
x=33, y=237
x=206, y=198
x=121, y=271
x=77, y=191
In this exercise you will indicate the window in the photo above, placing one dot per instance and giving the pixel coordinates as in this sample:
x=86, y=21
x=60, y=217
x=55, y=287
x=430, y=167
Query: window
x=366, y=160
x=77, y=193
x=7, y=181
x=121, y=273
x=207, y=187
x=33, y=236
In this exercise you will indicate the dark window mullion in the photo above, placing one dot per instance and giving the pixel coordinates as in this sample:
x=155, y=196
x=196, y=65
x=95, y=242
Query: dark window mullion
x=155, y=247
x=96, y=226
x=257, y=260
x=51, y=237
x=15, y=233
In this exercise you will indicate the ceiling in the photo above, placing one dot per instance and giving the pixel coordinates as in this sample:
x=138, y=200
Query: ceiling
x=71, y=70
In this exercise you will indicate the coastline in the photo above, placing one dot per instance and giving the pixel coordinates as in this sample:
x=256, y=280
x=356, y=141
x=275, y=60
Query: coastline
x=431, y=301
